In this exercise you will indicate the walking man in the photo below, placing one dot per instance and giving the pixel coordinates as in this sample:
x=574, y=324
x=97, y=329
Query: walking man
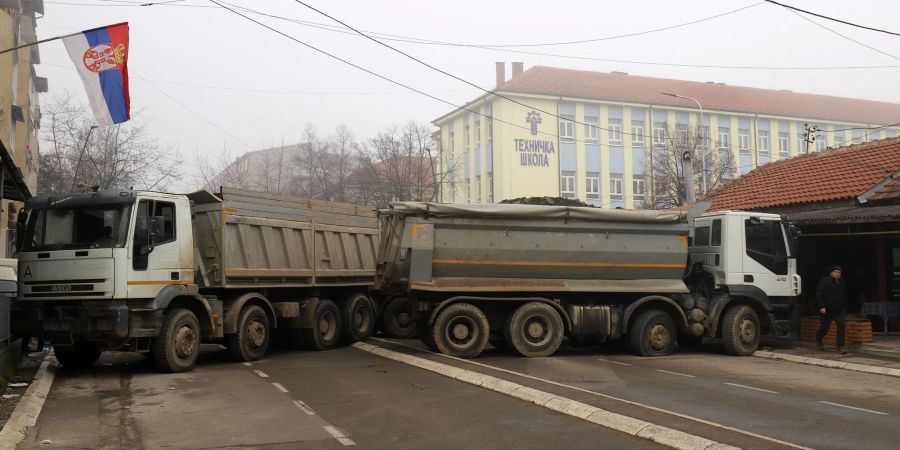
x=831, y=300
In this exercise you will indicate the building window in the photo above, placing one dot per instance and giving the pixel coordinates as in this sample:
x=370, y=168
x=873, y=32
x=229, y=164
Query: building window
x=490, y=131
x=726, y=162
x=468, y=189
x=744, y=140
x=638, y=187
x=703, y=136
x=637, y=133
x=659, y=134
x=592, y=185
x=763, y=141
x=821, y=140
x=724, y=141
x=478, y=189
x=490, y=186
x=467, y=138
x=783, y=150
x=477, y=132
x=566, y=129
x=615, y=186
x=682, y=134
x=615, y=131
x=590, y=129
x=567, y=184
x=838, y=138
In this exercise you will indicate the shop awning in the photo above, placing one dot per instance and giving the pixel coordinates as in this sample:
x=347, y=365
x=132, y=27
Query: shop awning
x=14, y=187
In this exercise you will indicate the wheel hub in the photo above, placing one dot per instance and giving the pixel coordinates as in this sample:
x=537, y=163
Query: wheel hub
x=748, y=331
x=460, y=331
x=403, y=319
x=256, y=333
x=659, y=337
x=184, y=342
x=327, y=325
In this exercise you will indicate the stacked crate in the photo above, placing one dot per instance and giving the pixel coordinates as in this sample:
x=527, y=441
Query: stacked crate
x=858, y=330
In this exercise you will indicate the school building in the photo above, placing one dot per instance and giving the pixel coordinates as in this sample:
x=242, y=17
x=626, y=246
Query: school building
x=550, y=131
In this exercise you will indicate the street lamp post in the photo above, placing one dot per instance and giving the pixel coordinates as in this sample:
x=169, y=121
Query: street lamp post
x=699, y=132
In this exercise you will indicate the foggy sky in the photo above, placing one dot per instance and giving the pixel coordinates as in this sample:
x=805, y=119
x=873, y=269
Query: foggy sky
x=215, y=48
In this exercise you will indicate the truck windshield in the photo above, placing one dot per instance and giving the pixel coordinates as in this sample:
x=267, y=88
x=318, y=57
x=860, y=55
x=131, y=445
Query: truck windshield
x=104, y=226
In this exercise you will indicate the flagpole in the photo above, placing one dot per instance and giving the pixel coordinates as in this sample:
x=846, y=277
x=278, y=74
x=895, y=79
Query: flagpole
x=38, y=42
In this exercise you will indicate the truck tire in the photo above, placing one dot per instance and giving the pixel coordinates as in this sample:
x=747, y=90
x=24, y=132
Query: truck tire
x=534, y=330
x=358, y=318
x=740, y=330
x=78, y=356
x=426, y=335
x=326, y=331
x=251, y=341
x=178, y=344
x=397, y=322
x=461, y=330
x=653, y=334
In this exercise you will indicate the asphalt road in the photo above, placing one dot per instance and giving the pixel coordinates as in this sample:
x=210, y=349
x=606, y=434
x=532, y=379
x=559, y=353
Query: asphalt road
x=296, y=400
x=747, y=402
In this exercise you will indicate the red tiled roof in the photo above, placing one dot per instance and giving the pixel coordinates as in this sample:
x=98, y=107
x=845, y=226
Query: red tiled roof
x=713, y=96
x=843, y=173
x=890, y=190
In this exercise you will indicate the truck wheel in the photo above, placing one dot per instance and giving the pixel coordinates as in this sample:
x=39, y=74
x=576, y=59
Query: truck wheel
x=178, y=344
x=78, y=356
x=251, y=341
x=326, y=331
x=461, y=330
x=397, y=319
x=653, y=334
x=740, y=330
x=534, y=330
x=358, y=318
x=426, y=335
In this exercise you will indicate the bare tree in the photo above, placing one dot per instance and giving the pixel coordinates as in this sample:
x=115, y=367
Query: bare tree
x=665, y=167
x=397, y=165
x=116, y=156
x=223, y=169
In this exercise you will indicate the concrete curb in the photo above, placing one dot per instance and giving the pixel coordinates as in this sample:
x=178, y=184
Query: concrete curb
x=662, y=435
x=828, y=363
x=29, y=408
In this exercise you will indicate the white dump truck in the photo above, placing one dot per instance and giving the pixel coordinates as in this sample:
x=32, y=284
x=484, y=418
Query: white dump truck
x=524, y=277
x=161, y=273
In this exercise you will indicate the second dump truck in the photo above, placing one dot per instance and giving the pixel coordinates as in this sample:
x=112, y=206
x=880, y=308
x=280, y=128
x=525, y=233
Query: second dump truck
x=161, y=273
x=524, y=277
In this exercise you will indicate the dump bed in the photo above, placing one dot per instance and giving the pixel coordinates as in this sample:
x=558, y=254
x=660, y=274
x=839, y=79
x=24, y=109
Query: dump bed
x=248, y=238
x=524, y=248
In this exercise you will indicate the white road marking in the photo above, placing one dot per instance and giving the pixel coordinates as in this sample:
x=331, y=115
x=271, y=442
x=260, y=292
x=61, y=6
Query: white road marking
x=853, y=407
x=675, y=373
x=303, y=407
x=339, y=435
x=247, y=364
x=613, y=362
x=610, y=397
x=751, y=387
x=280, y=387
x=261, y=373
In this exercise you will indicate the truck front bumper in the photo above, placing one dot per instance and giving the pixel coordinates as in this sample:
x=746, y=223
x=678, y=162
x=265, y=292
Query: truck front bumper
x=64, y=323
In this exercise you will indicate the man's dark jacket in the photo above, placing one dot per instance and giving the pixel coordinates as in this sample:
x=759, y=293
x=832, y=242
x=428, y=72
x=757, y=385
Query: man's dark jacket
x=831, y=294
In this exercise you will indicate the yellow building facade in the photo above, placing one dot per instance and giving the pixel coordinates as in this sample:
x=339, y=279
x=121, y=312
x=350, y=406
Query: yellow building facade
x=540, y=136
x=19, y=109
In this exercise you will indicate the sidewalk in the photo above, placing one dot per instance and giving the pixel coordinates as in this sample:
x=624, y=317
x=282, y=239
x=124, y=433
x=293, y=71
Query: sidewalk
x=881, y=357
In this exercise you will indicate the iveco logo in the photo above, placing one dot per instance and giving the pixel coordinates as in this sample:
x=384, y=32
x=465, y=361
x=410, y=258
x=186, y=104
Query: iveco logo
x=61, y=288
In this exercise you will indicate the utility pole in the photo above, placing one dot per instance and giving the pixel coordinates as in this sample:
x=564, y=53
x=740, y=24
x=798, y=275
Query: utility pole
x=80, y=156
x=703, y=185
x=812, y=132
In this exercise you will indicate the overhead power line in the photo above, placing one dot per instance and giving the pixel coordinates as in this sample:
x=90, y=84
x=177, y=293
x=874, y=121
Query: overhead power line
x=844, y=35
x=832, y=18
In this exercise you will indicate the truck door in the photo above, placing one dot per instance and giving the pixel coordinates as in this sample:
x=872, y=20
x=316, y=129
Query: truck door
x=766, y=257
x=155, y=256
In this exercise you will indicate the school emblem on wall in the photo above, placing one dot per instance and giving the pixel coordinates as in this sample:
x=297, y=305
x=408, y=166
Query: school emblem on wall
x=533, y=118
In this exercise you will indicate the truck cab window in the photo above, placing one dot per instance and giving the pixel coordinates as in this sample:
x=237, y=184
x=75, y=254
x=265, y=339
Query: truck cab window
x=765, y=244
x=141, y=235
x=165, y=210
x=715, y=238
x=701, y=236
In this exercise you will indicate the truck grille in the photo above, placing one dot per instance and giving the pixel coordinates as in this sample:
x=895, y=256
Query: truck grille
x=65, y=288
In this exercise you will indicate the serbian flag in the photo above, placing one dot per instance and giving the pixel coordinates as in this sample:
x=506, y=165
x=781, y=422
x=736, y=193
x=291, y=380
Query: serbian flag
x=101, y=56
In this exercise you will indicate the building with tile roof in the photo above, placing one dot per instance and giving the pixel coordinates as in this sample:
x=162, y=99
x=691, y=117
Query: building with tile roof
x=589, y=135
x=846, y=202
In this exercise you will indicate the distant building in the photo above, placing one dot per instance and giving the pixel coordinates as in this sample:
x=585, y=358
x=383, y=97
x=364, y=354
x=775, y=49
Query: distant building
x=599, y=149
x=20, y=113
